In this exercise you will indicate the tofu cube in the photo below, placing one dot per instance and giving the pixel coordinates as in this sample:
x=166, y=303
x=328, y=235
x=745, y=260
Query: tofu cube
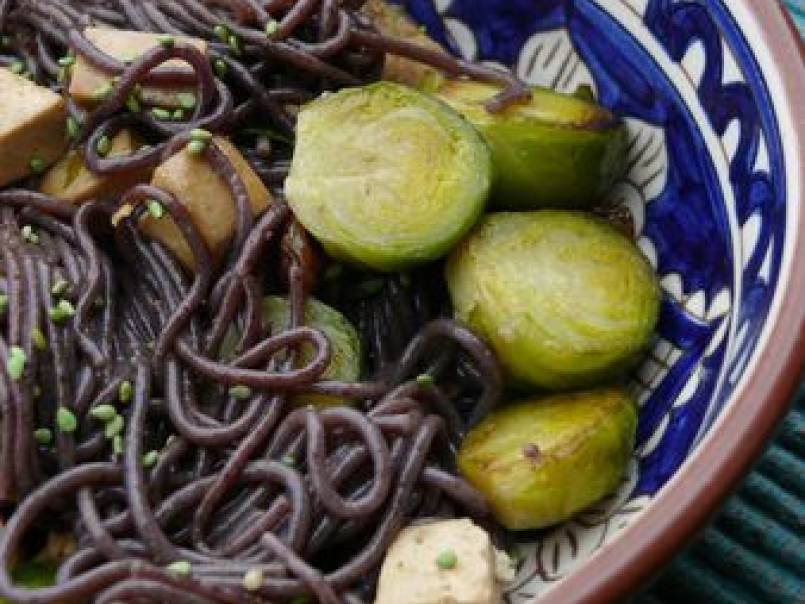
x=86, y=79
x=207, y=198
x=70, y=180
x=393, y=21
x=415, y=572
x=32, y=127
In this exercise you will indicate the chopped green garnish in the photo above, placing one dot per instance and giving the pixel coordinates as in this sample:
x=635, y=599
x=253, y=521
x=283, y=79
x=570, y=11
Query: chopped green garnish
x=15, y=364
x=199, y=134
x=37, y=165
x=67, y=61
x=220, y=68
x=196, y=147
x=240, y=393
x=166, y=40
x=73, y=128
x=17, y=67
x=288, y=460
x=447, y=559
x=3, y=303
x=253, y=579
x=187, y=100
x=181, y=568
x=125, y=392
x=104, y=413
x=155, y=209
x=161, y=114
x=425, y=380
x=103, y=146
x=29, y=234
x=271, y=27
x=150, y=459
x=38, y=339
x=101, y=93
x=179, y=115
x=133, y=104
x=234, y=44
x=66, y=420
x=43, y=436
x=114, y=427
x=117, y=445
x=62, y=311
x=222, y=32
x=60, y=287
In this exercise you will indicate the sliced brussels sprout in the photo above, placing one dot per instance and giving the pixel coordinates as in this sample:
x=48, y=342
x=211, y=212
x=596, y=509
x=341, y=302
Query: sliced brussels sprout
x=564, y=299
x=345, y=364
x=558, y=151
x=541, y=461
x=386, y=177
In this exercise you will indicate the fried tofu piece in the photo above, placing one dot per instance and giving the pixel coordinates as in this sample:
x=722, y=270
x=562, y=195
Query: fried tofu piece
x=87, y=80
x=207, y=198
x=70, y=180
x=393, y=21
x=441, y=562
x=32, y=127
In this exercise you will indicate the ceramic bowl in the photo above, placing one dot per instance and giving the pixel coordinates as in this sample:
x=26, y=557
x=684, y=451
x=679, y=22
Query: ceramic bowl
x=712, y=92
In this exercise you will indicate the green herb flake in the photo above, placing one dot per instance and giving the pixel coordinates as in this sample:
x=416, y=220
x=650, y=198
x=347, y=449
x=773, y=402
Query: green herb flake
x=161, y=114
x=67, y=61
x=3, y=304
x=187, y=100
x=38, y=339
x=180, y=568
x=288, y=460
x=196, y=147
x=73, y=128
x=125, y=391
x=133, y=104
x=240, y=393
x=155, y=209
x=221, y=31
x=103, y=92
x=17, y=67
x=150, y=459
x=220, y=68
x=37, y=165
x=60, y=287
x=234, y=44
x=104, y=413
x=117, y=445
x=15, y=364
x=179, y=115
x=271, y=27
x=62, y=311
x=253, y=579
x=66, y=420
x=43, y=436
x=103, y=146
x=447, y=560
x=425, y=380
x=166, y=40
x=199, y=134
x=114, y=427
x=29, y=234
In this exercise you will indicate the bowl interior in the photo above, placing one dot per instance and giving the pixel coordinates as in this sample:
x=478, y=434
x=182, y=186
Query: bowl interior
x=706, y=189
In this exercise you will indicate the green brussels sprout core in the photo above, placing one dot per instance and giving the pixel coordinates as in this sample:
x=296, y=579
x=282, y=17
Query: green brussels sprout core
x=557, y=151
x=563, y=298
x=345, y=362
x=541, y=461
x=386, y=177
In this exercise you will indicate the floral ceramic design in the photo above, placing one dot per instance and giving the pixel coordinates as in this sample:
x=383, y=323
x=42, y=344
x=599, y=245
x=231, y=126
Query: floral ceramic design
x=706, y=188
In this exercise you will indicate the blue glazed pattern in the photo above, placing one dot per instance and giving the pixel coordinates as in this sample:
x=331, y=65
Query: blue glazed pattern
x=712, y=215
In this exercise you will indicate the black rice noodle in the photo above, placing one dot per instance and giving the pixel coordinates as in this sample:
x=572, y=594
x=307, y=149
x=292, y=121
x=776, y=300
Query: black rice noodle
x=309, y=500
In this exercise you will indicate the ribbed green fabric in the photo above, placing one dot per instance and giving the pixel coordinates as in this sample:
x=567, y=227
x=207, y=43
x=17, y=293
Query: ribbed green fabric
x=754, y=552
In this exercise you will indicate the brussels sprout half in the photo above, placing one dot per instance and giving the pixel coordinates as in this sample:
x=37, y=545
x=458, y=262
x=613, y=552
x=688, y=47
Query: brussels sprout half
x=563, y=298
x=345, y=363
x=557, y=151
x=541, y=461
x=386, y=177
